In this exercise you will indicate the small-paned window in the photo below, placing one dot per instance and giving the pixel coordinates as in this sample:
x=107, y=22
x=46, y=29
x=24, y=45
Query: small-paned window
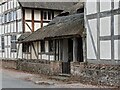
x=47, y=15
x=42, y=46
x=13, y=43
x=2, y=43
x=51, y=46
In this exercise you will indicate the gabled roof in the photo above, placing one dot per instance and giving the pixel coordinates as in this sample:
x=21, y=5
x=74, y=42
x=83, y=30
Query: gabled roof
x=74, y=9
x=46, y=5
x=60, y=27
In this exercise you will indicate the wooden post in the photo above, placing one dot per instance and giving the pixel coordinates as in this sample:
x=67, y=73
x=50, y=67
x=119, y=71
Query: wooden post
x=41, y=19
x=18, y=49
x=75, y=45
x=32, y=20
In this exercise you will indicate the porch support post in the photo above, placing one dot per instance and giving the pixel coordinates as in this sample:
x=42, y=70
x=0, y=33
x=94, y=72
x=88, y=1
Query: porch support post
x=65, y=50
x=75, y=50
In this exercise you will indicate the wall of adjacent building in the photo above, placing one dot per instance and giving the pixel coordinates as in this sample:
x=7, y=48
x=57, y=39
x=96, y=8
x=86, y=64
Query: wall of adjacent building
x=103, y=34
x=11, y=25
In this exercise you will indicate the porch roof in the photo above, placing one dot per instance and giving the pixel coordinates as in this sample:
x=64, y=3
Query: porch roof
x=60, y=27
x=45, y=5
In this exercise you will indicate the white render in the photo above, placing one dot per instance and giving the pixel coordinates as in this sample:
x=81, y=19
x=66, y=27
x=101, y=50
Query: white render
x=105, y=36
x=105, y=26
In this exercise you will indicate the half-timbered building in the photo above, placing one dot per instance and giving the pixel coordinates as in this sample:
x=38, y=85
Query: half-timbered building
x=17, y=17
x=102, y=20
x=59, y=42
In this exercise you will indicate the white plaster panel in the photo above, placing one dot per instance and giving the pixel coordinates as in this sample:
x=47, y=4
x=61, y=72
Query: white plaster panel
x=105, y=49
x=46, y=46
x=15, y=55
x=91, y=7
x=44, y=24
x=8, y=28
x=116, y=4
x=116, y=24
x=20, y=51
x=5, y=39
x=51, y=57
x=19, y=14
x=27, y=28
x=37, y=26
x=105, y=5
x=12, y=27
x=90, y=44
x=8, y=52
x=44, y=56
x=0, y=41
x=2, y=30
x=105, y=26
x=20, y=26
x=37, y=15
x=9, y=5
x=12, y=55
x=39, y=57
x=9, y=40
x=28, y=56
x=117, y=49
x=28, y=15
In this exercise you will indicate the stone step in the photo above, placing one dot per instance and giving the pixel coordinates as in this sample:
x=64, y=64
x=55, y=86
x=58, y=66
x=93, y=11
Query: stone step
x=59, y=78
x=65, y=75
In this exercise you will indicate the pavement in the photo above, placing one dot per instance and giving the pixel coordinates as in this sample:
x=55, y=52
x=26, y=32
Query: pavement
x=19, y=79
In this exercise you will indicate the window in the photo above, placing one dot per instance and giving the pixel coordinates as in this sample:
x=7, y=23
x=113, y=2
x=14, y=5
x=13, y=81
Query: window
x=44, y=15
x=42, y=46
x=51, y=46
x=2, y=43
x=13, y=43
x=14, y=14
x=5, y=18
x=47, y=15
x=10, y=16
x=25, y=47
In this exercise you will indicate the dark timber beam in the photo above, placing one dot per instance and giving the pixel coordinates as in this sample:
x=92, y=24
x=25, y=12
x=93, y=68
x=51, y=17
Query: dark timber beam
x=98, y=30
x=32, y=20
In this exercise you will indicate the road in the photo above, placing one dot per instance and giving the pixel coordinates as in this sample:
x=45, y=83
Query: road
x=17, y=79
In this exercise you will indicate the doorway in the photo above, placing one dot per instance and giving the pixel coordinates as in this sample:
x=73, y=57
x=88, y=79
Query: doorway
x=66, y=63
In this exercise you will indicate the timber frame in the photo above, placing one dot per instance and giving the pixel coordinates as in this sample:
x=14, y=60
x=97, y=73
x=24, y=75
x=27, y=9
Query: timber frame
x=111, y=38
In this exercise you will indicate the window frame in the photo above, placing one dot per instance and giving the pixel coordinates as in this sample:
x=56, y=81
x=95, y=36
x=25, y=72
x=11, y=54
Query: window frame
x=13, y=43
x=2, y=43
